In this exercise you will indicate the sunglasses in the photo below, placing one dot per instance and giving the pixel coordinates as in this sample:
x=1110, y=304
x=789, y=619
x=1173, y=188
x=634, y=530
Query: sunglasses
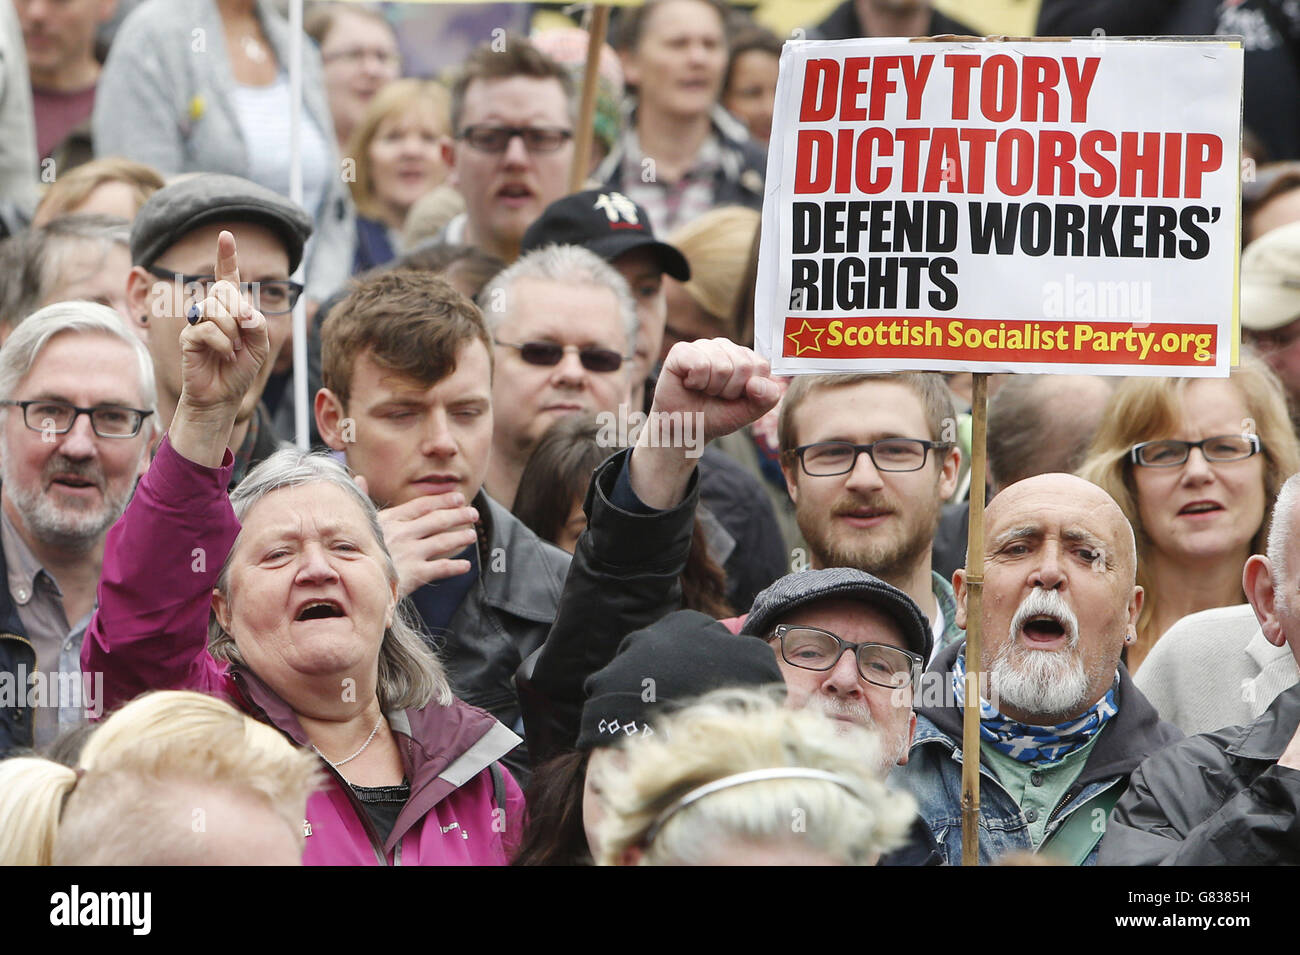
x=550, y=353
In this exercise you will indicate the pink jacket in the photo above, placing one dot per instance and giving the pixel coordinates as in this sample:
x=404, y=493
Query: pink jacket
x=161, y=561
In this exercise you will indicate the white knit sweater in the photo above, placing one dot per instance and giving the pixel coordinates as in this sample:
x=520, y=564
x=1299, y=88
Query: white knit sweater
x=1214, y=669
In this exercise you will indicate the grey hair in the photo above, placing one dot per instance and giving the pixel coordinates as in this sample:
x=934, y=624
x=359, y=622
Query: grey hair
x=45, y=252
x=1279, y=532
x=24, y=346
x=568, y=264
x=410, y=675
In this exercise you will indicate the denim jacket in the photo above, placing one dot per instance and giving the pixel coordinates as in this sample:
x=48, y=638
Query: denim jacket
x=934, y=767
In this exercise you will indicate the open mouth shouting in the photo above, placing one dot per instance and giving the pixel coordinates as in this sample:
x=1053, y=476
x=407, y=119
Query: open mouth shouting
x=319, y=609
x=1044, y=621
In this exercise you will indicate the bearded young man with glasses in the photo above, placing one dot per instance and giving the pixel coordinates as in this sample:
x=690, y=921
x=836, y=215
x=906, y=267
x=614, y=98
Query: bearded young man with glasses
x=172, y=243
x=869, y=461
x=76, y=420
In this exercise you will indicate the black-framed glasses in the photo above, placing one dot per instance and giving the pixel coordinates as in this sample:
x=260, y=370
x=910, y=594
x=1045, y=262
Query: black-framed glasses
x=50, y=416
x=827, y=458
x=489, y=138
x=811, y=648
x=1171, y=453
x=550, y=354
x=273, y=297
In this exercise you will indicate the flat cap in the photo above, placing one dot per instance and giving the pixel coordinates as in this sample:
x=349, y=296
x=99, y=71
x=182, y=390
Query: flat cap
x=840, y=583
x=186, y=204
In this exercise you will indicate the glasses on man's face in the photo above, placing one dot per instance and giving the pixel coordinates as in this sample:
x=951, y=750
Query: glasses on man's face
x=495, y=139
x=811, y=648
x=827, y=458
x=1170, y=454
x=550, y=353
x=50, y=416
x=354, y=56
x=274, y=297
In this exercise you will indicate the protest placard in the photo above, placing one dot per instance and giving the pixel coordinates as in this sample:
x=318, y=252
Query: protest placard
x=1056, y=206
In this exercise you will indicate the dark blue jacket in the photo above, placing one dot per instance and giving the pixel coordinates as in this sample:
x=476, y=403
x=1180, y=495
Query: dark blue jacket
x=15, y=651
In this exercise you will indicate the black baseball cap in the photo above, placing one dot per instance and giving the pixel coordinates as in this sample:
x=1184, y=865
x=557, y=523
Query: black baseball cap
x=606, y=222
x=193, y=201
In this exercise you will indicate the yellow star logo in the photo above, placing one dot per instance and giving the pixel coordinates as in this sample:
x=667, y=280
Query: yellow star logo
x=800, y=347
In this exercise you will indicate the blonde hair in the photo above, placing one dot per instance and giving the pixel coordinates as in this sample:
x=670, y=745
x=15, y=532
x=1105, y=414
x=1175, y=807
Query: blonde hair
x=1146, y=409
x=736, y=731
x=718, y=247
x=392, y=100
x=158, y=739
x=74, y=187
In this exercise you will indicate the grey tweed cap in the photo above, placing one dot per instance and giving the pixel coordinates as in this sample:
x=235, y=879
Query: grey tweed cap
x=840, y=583
x=192, y=201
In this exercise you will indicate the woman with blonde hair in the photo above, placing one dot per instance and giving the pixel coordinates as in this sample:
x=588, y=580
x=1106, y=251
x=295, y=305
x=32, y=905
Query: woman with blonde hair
x=167, y=740
x=718, y=246
x=738, y=779
x=111, y=186
x=397, y=149
x=1195, y=464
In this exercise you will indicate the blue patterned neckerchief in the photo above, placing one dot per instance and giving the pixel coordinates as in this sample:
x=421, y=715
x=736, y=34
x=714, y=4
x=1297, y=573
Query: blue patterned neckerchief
x=1036, y=744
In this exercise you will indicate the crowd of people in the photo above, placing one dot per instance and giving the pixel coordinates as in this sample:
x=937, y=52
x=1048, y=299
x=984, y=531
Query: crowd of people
x=569, y=577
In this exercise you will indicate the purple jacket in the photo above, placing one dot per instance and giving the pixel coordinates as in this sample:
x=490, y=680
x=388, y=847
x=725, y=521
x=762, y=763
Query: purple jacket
x=161, y=561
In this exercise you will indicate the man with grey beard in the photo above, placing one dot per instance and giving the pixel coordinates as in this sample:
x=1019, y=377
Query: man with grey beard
x=1062, y=726
x=77, y=406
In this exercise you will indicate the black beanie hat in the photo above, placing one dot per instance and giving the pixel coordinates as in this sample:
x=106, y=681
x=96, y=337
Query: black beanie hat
x=657, y=669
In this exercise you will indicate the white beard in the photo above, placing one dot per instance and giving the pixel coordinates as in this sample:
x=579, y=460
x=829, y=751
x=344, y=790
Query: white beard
x=889, y=747
x=1051, y=684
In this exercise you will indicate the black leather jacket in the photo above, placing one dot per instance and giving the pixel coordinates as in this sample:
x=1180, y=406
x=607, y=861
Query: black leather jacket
x=1215, y=799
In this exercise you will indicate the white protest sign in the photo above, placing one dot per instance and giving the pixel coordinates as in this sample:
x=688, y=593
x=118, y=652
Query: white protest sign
x=1065, y=207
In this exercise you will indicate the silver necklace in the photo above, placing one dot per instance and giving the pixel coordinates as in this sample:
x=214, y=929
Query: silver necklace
x=344, y=762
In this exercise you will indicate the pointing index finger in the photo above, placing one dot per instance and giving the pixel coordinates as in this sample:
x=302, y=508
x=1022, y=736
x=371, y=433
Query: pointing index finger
x=227, y=261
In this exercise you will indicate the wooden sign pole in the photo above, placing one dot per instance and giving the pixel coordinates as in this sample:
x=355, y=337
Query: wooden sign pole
x=587, y=104
x=970, y=747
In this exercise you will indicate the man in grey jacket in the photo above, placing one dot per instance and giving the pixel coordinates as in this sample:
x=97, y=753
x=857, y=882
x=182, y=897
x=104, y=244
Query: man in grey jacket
x=1229, y=797
x=407, y=366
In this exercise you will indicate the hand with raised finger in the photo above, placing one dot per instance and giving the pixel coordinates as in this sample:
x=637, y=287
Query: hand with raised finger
x=223, y=347
x=425, y=534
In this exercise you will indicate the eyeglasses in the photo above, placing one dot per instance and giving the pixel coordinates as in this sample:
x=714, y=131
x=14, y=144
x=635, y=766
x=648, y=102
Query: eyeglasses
x=550, y=353
x=811, y=648
x=358, y=54
x=827, y=458
x=57, y=417
x=276, y=297
x=1170, y=454
x=496, y=139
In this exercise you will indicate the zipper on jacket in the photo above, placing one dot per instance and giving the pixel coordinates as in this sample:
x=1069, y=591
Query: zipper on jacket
x=1069, y=794
x=371, y=832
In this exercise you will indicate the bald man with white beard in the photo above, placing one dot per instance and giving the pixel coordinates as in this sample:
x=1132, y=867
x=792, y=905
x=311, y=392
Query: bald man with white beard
x=1061, y=726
